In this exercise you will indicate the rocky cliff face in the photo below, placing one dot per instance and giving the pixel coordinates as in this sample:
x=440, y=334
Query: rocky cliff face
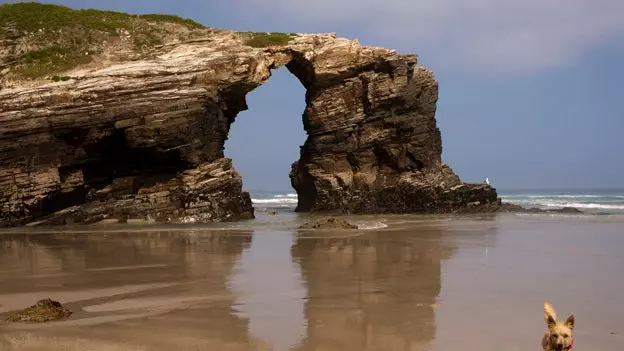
x=144, y=138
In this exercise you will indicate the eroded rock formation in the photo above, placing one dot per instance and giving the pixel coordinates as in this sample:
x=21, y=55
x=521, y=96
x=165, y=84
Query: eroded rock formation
x=144, y=138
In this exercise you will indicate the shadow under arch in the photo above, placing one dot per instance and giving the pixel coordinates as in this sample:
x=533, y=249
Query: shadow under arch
x=371, y=291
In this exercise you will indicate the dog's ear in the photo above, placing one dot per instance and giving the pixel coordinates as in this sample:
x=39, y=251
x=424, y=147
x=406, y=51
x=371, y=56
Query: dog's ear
x=570, y=322
x=551, y=322
x=549, y=315
x=549, y=311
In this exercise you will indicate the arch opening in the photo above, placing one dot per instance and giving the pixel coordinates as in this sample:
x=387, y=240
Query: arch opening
x=266, y=136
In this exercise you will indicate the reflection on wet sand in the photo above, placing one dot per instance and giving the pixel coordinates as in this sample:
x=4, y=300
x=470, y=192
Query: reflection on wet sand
x=371, y=292
x=200, y=289
x=73, y=261
x=130, y=291
x=420, y=284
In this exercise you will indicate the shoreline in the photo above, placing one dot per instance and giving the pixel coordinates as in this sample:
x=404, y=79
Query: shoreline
x=286, y=219
x=134, y=222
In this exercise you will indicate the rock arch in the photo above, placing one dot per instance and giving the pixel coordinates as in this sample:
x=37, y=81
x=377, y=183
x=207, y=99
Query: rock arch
x=145, y=139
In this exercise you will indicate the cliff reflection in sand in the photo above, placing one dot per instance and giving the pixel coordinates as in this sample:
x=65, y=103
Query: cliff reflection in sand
x=161, y=290
x=371, y=292
x=62, y=260
x=164, y=289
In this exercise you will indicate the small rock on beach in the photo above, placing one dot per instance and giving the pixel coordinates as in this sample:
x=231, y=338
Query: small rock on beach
x=43, y=311
x=328, y=223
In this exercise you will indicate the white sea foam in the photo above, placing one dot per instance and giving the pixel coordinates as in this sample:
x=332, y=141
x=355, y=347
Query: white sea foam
x=559, y=204
x=371, y=225
x=562, y=196
x=281, y=200
x=274, y=201
x=591, y=202
x=287, y=196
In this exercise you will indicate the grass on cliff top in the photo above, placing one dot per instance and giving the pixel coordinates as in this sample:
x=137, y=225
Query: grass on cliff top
x=262, y=40
x=39, y=63
x=171, y=19
x=52, y=39
x=32, y=16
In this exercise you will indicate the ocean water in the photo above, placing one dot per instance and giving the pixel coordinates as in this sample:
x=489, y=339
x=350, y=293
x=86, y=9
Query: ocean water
x=264, y=200
x=589, y=201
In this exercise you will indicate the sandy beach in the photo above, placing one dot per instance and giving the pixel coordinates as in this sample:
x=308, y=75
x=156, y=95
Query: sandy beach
x=404, y=282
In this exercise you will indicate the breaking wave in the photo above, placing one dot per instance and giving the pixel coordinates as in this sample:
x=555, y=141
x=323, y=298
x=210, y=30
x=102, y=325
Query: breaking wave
x=279, y=200
x=371, y=225
x=610, y=203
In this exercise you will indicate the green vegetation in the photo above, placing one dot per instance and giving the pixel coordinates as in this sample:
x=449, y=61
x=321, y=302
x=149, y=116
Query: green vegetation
x=172, y=19
x=44, y=54
x=32, y=16
x=50, y=39
x=39, y=63
x=60, y=78
x=44, y=40
x=262, y=40
x=146, y=40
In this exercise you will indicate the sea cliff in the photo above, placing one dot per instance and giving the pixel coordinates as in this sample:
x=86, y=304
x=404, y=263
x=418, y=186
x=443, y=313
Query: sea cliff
x=113, y=116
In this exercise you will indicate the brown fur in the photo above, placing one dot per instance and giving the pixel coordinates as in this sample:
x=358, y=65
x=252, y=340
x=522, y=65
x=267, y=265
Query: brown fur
x=559, y=334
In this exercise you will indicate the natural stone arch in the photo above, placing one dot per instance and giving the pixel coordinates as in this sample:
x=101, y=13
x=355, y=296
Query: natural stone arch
x=373, y=144
x=145, y=139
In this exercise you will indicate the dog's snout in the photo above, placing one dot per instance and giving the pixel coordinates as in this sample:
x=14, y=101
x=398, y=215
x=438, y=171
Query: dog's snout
x=559, y=346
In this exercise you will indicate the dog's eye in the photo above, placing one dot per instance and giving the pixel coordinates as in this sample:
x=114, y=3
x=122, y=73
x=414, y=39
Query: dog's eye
x=566, y=335
x=554, y=336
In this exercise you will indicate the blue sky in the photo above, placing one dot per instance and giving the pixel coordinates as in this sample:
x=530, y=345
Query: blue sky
x=531, y=91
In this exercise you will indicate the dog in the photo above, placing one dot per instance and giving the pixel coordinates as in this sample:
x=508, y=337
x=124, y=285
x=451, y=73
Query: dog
x=559, y=334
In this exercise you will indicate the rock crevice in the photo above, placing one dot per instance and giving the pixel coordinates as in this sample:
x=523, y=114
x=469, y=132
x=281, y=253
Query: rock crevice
x=145, y=138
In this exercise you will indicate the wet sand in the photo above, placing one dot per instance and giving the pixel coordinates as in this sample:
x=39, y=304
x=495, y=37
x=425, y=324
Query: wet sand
x=406, y=283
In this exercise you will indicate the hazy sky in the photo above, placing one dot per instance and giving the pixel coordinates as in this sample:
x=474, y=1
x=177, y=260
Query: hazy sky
x=531, y=91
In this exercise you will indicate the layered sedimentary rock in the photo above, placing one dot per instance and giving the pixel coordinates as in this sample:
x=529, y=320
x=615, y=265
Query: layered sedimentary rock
x=145, y=138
